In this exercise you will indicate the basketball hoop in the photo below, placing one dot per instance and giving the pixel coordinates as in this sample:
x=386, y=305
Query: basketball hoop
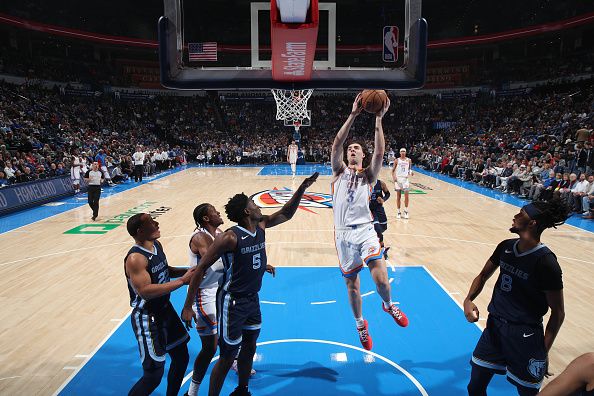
x=291, y=105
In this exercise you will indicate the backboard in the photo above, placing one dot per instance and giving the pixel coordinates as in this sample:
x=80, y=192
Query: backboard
x=231, y=45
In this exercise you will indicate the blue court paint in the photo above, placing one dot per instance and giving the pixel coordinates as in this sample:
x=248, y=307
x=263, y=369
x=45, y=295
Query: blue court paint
x=25, y=217
x=302, y=170
x=434, y=349
x=575, y=220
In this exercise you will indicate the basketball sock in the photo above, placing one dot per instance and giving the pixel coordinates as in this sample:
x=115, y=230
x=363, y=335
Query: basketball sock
x=194, y=385
x=406, y=209
x=360, y=322
x=387, y=304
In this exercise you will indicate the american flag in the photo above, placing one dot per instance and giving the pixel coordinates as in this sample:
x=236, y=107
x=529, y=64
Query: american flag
x=202, y=51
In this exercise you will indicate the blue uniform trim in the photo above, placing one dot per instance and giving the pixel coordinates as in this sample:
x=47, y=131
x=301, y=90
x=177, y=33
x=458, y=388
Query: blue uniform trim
x=225, y=322
x=526, y=384
x=488, y=365
x=252, y=327
x=378, y=256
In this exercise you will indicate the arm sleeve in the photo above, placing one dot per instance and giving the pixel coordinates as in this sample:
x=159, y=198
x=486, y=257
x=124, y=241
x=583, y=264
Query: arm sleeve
x=549, y=275
x=497, y=253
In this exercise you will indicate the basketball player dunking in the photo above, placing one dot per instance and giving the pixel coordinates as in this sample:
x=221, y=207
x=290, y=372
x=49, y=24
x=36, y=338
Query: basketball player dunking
x=292, y=156
x=529, y=283
x=243, y=250
x=400, y=172
x=355, y=237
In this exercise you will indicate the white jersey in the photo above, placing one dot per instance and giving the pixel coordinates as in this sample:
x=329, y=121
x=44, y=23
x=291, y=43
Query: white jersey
x=75, y=169
x=215, y=272
x=351, y=193
x=402, y=167
x=293, y=153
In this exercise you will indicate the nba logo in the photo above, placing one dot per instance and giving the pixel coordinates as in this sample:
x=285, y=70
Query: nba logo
x=390, y=53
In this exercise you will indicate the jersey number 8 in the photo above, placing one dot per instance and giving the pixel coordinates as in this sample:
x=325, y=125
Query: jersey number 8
x=506, y=282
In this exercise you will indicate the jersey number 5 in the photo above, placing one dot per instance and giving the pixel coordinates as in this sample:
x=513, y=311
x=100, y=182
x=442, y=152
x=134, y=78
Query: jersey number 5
x=256, y=263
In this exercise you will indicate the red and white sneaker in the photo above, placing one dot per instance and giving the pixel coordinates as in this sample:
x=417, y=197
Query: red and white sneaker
x=364, y=336
x=399, y=316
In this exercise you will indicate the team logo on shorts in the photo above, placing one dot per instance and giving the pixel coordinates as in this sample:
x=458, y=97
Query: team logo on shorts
x=276, y=198
x=537, y=368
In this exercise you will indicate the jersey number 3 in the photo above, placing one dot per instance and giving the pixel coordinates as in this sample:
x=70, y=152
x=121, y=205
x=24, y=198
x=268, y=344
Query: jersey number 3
x=256, y=263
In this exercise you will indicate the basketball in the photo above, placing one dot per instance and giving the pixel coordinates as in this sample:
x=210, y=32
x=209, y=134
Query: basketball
x=373, y=100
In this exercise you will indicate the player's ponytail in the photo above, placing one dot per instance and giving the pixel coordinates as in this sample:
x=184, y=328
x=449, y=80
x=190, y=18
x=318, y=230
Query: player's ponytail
x=548, y=214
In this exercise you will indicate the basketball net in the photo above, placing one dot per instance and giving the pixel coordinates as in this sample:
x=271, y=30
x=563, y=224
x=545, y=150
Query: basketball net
x=291, y=105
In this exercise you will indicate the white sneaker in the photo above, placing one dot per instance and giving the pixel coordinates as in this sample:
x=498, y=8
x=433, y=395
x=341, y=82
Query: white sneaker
x=398, y=216
x=234, y=368
x=405, y=214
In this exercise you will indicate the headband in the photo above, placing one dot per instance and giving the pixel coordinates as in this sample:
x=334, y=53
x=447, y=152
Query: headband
x=532, y=211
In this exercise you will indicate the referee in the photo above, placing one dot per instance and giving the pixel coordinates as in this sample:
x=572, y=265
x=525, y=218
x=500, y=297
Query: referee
x=138, y=158
x=94, y=178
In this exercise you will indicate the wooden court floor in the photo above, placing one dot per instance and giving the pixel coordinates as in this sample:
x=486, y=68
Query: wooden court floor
x=62, y=294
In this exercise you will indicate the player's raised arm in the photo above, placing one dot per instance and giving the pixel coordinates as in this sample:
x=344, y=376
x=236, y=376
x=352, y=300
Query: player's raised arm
x=289, y=209
x=336, y=156
x=379, y=146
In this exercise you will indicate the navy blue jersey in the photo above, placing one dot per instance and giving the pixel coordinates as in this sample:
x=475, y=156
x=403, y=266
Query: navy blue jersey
x=376, y=193
x=245, y=266
x=158, y=269
x=519, y=294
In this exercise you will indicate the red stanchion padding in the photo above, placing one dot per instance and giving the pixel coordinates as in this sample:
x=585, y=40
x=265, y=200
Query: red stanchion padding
x=293, y=45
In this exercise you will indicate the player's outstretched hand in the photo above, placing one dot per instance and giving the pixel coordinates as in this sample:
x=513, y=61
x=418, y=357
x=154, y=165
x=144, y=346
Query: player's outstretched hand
x=310, y=180
x=187, y=316
x=471, y=311
x=187, y=277
x=385, y=109
x=271, y=270
x=357, y=106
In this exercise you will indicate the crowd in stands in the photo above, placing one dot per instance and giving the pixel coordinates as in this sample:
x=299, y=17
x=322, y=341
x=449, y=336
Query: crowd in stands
x=508, y=142
x=538, y=147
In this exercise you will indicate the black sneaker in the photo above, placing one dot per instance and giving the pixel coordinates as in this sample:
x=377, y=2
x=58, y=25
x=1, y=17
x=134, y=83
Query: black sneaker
x=240, y=392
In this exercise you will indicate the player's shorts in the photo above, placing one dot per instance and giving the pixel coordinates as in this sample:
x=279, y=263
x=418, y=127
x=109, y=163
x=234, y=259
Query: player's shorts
x=401, y=183
x=75, y=176
x=238, y=314
x=516, y=350
x=356, y=245
x=156, y=334
x=380, y=220
x=205, y=308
